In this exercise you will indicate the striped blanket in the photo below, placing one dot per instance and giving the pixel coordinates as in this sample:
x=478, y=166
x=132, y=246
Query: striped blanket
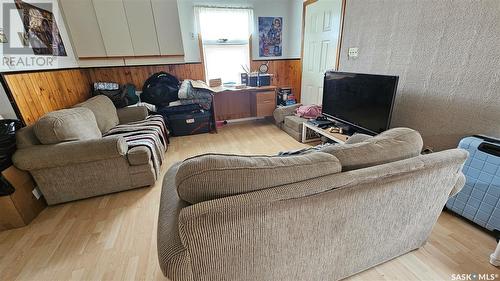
x=150, y=133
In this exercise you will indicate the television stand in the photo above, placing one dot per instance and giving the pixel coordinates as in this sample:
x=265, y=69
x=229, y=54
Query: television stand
x=309, y=126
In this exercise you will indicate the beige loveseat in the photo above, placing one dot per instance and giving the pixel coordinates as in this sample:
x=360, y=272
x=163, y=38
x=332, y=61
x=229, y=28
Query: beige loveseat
x=320, y=215
x=285, y=119
x=69, y=159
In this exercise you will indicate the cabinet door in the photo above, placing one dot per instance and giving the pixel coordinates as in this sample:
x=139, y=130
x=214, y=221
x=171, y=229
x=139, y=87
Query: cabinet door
x=114, y=27
x=142, y=27
x=168, y=28
x=82, y=23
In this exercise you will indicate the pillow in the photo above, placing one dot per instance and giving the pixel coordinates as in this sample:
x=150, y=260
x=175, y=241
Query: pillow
x=212, y=176
x=389, y=146
x=104, y=111
x=67, y=125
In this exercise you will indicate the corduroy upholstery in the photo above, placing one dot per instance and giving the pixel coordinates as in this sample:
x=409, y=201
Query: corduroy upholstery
x=357, y=137
x=211, y=176
x=68, y=153
x=391, y=145
x=26, y=137
x=294, y=122
x=104, y=111
x=285, y=119
x=139, y=155
x=72, y=170
x=325, y=228
x=281, y=112
x=132, y=114
x=74, y=124
x=297, y=135
x=173, y=255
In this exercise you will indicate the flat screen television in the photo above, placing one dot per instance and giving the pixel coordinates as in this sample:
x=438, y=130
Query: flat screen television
x=361, y=100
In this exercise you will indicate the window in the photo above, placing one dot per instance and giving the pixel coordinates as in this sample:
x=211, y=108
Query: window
x=225, y=34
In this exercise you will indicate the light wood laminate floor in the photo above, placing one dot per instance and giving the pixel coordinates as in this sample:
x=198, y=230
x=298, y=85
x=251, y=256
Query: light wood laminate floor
x=114, y=237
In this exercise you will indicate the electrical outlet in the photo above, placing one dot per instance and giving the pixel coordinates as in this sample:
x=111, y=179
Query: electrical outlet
x=353, y=53
x=36, y=192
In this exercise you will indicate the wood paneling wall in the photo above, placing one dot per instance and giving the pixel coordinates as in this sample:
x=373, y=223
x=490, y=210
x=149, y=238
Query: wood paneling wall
x=138, y=74
x=36, y=93
x=287, y=73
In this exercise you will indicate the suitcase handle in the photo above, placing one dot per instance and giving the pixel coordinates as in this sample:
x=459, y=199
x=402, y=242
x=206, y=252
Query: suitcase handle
x=488, y=139
x=489, y=148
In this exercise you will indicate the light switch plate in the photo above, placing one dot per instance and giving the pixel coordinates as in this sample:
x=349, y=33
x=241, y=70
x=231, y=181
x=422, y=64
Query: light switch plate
x=353, y=52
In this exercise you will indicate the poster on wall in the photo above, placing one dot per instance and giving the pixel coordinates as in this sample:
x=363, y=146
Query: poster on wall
x=270, y=36
x=41, y=30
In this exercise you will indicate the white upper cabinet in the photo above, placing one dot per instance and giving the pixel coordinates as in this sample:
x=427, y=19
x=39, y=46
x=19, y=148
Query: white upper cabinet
x=114, y=27
x=142, y=27
x=124, y=28
x=168, y=28
x=82, y=24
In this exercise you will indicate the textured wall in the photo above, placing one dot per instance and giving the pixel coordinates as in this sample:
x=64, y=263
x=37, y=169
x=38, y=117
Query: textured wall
x=447, y=55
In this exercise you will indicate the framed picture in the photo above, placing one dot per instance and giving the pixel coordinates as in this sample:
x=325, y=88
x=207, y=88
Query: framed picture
x=270, y=36
x=3, y=38
x=41, y=30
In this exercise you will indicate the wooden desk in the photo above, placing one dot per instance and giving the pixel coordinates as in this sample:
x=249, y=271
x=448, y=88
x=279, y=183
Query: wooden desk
x=244, y=103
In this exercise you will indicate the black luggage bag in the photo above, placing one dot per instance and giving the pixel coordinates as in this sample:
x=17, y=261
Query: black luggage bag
x=160, y=89
x=167, y=111
x=184, y=124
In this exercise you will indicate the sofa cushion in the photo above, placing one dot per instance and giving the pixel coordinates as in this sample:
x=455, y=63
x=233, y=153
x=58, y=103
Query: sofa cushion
x=357, y=137
x=212, y=176
x=72, y=124
x=104, y=111
x=294, y=122
x=391, y=145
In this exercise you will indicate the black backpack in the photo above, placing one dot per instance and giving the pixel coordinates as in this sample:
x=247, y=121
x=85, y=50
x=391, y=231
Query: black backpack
x=160, y=89
x=8, y=128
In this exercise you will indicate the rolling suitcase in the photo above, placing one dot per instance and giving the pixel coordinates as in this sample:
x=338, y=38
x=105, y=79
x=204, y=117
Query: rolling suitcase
x=190, y=123
x=479, y=199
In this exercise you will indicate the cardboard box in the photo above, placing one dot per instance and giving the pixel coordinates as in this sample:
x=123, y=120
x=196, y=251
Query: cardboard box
x=21, y=207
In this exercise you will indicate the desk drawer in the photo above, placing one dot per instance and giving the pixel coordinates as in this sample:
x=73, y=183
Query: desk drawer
x=265, y=103
x=265, y=97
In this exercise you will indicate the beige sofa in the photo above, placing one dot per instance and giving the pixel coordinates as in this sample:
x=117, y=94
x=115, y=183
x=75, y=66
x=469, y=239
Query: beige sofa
x=69, y=159
x=320, y=215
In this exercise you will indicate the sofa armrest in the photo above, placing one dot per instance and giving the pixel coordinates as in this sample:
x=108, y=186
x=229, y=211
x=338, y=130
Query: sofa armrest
x=139, y=155
x=67, y=153
x=173, y=254
x=132, y=114
x=280, y=113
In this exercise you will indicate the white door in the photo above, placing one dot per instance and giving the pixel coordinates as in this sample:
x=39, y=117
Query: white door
x=321, y=36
